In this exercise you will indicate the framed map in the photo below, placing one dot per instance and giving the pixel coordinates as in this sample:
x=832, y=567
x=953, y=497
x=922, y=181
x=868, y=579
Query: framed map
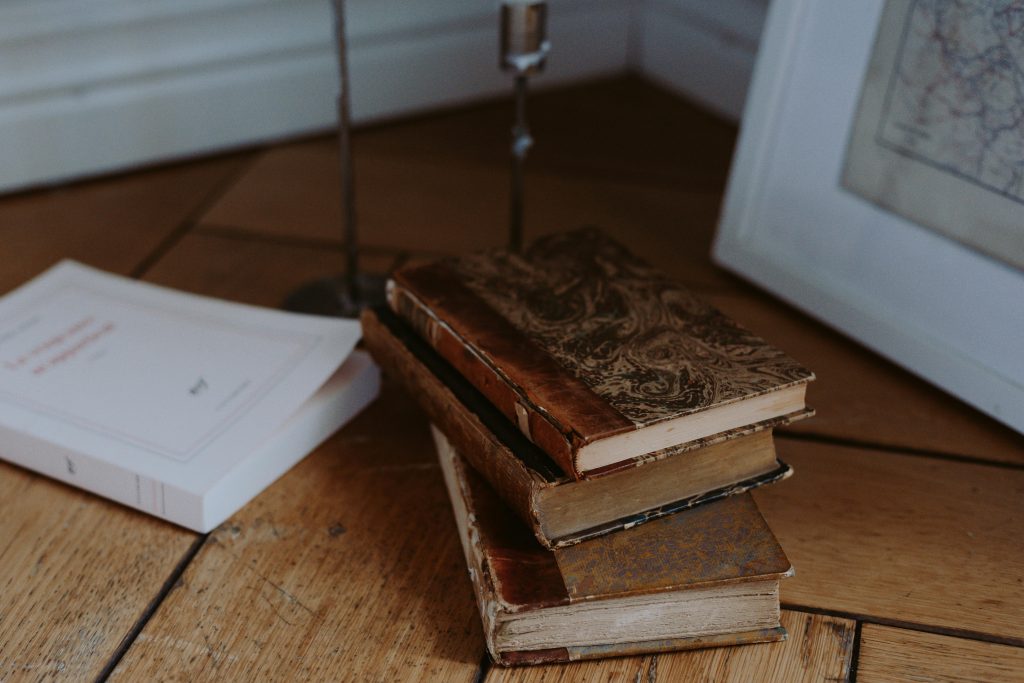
x=877, y=183
x=939, y=131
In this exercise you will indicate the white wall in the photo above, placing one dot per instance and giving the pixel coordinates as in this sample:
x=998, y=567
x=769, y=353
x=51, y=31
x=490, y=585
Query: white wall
x=701, y=48
x=92, y=86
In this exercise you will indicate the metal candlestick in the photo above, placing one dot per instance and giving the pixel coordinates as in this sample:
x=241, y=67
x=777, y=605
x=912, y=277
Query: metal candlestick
x=346, y=295
x=524, y=51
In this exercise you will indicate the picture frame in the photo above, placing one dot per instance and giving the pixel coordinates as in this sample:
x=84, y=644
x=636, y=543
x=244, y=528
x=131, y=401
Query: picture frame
x=933, y=305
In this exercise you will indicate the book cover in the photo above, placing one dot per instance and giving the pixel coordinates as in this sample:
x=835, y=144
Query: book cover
x=595, y=355
x=562, y=511
x=174, y=404
x=705, y=577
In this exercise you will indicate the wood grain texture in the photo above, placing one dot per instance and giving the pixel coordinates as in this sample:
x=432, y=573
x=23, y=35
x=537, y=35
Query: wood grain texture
x=111, y=223
x=615, y=670
x=862, y=397
x=895, y=654
x=348, y=567
x=76, y=573
x=439, y=184
x=423, y=205
x=903, y=538
x=450, y=169
x=647, y=136
x=819, y=648
x=350, y=562
x=293, y=191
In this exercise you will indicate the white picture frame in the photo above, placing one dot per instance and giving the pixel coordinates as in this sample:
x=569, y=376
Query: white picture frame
x=938, y=308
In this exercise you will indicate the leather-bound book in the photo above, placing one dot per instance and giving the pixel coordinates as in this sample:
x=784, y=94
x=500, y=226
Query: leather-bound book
x=597, y=357
x=560, y=510
x=705, y=577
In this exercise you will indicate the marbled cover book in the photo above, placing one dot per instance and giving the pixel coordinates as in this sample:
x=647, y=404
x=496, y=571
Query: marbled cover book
x=576, y=339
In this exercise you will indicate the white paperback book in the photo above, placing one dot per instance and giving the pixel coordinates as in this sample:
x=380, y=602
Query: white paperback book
x=178, y=405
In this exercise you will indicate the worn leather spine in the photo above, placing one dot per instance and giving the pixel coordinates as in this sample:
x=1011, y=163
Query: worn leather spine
x=486, y=342
x=516, y=482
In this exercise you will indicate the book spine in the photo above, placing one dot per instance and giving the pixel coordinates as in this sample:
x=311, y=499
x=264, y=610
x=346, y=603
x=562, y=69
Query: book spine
x=507, y=474
x=469, y=536
x=508, y=571
x=553, y=407
x=102, y=478
x=539, y=427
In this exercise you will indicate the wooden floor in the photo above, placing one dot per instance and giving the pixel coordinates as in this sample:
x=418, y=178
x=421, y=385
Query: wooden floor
x=905, y=519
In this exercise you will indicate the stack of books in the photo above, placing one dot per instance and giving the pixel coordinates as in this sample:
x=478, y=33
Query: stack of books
x=599, y=428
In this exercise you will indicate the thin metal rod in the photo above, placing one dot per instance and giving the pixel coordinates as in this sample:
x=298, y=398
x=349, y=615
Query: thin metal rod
x=350, y=239
x=521, y=143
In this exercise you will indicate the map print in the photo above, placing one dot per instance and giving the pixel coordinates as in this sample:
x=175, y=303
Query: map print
x=956, y=97
x=939, y=132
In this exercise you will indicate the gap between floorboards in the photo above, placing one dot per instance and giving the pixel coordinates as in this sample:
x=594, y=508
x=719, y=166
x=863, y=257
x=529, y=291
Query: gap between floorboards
x=897, y=450
x=151, y=608
x=963, y=634
x=191, y=219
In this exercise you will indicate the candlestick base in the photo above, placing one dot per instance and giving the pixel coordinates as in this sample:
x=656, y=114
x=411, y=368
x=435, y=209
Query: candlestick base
x=337, y=296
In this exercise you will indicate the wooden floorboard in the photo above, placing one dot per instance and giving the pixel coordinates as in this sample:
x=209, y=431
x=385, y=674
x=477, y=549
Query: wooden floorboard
x=350, y=563
x=114, y=223
x=672, y=228
x=411, y=204
x=925, y=541
x=76, y=574
x=894, y=654
x=430, y=208
x=819, y=648
x=615, y=670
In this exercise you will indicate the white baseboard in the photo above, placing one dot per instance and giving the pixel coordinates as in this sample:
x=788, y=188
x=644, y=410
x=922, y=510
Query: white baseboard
x=702, y=49
x=93, y=86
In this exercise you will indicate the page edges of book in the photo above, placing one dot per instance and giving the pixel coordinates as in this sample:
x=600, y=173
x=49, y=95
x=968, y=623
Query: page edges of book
x=95, y=476
x=573, y=654
x=719, y=419
x=556, y=541
x=717, y=610
x=484, y=590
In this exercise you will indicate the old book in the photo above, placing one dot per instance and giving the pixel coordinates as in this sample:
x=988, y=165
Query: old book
x=595, y=355
x=708, y=576
x=560, y=510
x=180, y=406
